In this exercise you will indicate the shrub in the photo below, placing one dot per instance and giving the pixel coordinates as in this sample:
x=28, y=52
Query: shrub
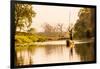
x=41, y=38
x=22, y=39
x=33, y=38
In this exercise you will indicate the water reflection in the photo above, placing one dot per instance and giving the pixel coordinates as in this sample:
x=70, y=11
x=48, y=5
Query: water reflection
x=86, y=51
x=54, y=54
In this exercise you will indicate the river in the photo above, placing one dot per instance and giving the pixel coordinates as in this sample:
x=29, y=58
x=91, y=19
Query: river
x=47, y=53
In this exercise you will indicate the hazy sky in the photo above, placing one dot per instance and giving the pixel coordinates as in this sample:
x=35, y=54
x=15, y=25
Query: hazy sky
x=53, y=15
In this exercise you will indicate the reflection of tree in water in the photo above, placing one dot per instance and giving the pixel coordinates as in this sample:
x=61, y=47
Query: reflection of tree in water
x=30, y=51
x=20, y=60
x=51, y=48
x=71, y=51
x=86, y=51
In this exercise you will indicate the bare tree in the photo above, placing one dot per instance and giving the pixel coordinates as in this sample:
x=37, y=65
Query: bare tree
x=70, y=30
x=48, y=28
x=60, y=29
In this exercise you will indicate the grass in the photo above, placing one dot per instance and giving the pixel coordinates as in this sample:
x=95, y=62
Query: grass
x=21, y=39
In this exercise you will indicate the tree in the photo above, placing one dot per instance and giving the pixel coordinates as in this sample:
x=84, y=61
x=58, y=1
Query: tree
x=84, y=26
x=48, y=28
x=31, y=30
x=23, y=15
x=60, y=29
x=70, y=31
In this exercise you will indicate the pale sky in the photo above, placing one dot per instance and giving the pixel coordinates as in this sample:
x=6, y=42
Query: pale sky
x=53, y=15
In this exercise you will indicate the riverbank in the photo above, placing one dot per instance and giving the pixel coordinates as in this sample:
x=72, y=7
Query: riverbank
x=58, y=42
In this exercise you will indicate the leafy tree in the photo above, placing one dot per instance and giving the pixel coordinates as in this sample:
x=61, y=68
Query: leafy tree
x=23, y=15
x=84, y=26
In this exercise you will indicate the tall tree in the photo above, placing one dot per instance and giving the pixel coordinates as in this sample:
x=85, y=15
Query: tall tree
x=84, y=26
x=70, y=31
x=23, y=15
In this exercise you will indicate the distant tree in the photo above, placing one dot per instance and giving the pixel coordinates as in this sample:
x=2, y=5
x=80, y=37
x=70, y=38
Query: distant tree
x=23, y=15
x=60, y=29
x=48, y=28
x=31, y=30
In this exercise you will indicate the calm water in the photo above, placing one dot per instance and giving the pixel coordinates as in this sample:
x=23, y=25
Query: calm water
x=54, y=54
